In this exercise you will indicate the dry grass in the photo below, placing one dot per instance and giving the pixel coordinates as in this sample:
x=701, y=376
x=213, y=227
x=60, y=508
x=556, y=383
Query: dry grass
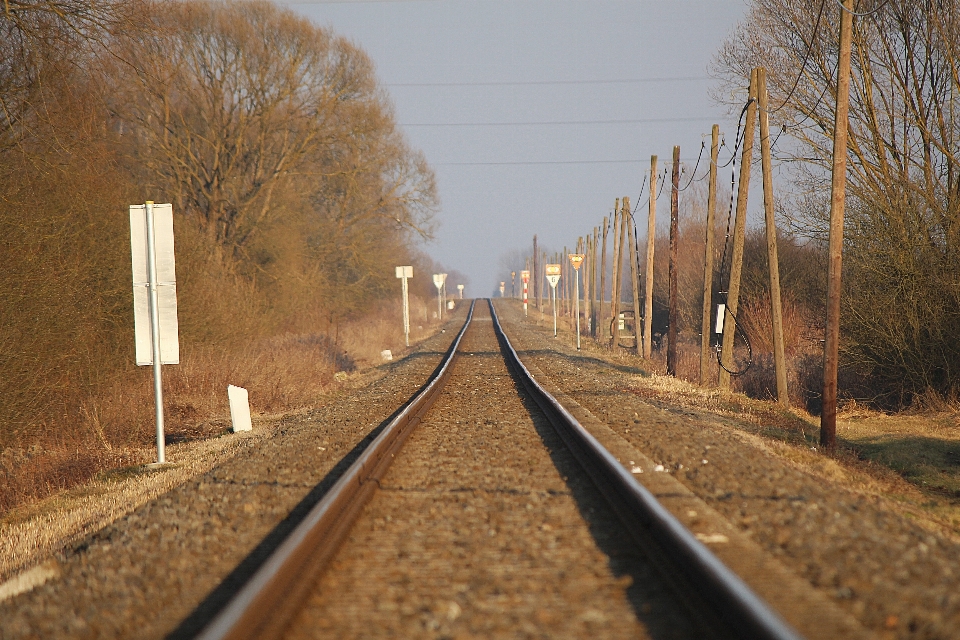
x=116, y=428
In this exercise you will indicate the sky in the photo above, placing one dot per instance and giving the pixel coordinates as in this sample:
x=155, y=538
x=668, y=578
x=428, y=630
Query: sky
x=537, y=114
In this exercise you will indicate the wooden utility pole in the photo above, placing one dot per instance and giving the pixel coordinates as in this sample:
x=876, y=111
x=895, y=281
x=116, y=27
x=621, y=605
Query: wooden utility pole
x=831, y=349
x=601, y=332
x=706, y=330
x=535, y=273
x=587, y=290
x=593, y=283
x=634, y=275
x=739, y=228
x=648, y=284
x=615, y=275
x=624, y=247
x=779, y=358
x=542, y=277
x=674, y=314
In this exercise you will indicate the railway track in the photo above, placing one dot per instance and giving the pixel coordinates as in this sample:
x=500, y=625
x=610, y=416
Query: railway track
x=458, y=513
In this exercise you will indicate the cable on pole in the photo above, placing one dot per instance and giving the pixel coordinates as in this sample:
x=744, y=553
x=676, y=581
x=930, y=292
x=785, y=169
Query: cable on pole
x=697, y=166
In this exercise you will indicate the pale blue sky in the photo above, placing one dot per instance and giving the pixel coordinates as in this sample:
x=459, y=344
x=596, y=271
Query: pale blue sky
x=537, y=114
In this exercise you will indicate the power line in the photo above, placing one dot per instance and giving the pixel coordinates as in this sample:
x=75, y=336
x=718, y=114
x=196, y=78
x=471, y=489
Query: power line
x=806, y=57
x=545, y=82
x=534, y=162
x=553, y=122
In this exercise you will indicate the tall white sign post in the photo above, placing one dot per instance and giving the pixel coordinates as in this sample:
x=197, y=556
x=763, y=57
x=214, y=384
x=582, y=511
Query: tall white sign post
x=438, y=280
x=404, y=273
x=553, y=277
x=576, y=259
x=154, y=297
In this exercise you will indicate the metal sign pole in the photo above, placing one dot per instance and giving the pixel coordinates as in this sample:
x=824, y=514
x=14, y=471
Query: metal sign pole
x=155, y=331
x=406, y=313
x=553, y=288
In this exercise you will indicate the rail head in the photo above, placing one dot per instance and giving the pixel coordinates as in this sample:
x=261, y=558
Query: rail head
x=737, y=604
x=258, y=609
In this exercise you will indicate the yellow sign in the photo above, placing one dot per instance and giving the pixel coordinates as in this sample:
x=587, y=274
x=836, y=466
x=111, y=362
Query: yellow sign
x=576, y=259
x=552, y=269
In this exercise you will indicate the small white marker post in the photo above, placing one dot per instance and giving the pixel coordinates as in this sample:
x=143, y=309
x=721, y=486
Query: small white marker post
x=239, y=408
x=576, y=259
x=501, y=288
x=553, y=277
x=404, y=273
x=154, y=297
x=460, y=289
x=438, y=280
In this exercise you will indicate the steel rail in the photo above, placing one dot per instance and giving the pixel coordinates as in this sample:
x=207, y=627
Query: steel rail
x=733, y=603
x=266, y=604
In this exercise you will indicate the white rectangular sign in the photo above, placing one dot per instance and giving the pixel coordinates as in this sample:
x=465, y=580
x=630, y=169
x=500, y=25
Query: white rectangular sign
x=239, y=408
x=166, y=284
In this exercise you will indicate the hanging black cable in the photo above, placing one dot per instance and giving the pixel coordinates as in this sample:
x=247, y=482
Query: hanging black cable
x=724, y=292
x=697, y=166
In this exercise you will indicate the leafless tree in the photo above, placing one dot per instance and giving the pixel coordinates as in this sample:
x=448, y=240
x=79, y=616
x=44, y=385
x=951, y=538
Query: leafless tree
x=903, y=222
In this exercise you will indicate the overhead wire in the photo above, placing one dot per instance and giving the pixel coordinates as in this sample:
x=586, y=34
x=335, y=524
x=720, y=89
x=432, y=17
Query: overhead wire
x=697, y=166
x=806, y=57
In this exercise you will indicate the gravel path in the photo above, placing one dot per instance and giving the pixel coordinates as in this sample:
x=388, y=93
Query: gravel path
x=145, y=575
x=898, y=579
x=485, y=527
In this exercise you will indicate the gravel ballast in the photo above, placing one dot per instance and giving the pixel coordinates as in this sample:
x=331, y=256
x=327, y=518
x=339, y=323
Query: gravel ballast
x=485, y=527
x=897, y=578
x=482, y=527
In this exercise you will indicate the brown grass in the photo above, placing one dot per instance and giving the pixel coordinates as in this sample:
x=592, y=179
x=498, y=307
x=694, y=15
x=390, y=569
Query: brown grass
x=116, y=428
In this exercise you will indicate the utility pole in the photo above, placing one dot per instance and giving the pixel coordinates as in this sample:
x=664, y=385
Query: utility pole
x=705, y=324
x=831, y=349
x=593, y=284
x=603, y=278
x=634, y=275
x=536, y=272
x=615, y=276
x=779, y=358
x=587, y=298
x=739, y=228
x=543, y=261
x=674, y=315
x=648, y=286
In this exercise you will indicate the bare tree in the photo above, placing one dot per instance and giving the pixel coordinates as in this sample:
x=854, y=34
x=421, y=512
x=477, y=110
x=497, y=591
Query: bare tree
x=238, y=100
x=903, y=222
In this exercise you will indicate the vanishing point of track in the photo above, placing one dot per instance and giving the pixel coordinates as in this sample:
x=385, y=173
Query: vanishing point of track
x=473, y=514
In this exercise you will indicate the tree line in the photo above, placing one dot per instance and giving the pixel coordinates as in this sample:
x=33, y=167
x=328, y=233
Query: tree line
x=294, y=192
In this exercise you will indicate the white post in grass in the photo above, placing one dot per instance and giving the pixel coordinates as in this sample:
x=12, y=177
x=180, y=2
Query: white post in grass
x=404, y=273
x=154, y=297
